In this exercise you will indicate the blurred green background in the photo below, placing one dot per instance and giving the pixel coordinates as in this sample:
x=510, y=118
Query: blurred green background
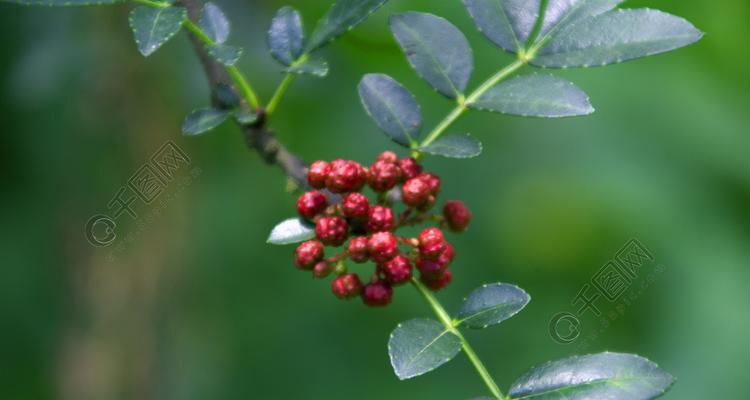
x=195, y=305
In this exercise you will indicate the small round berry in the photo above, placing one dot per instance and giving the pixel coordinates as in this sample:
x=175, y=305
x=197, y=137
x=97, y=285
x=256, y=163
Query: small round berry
x=345, y=176
x=427, y=204
x=431, y=243
x=322, y=269
x=388, y=156
x=308, y=253
x=446, y=257
x=438, y=282
x=355, y=205
x=430, y=268
x=380, y=219
x=311, y=204
x=457, y=215
x=346, y=286
x=415, y=191
x=332, y=231
x=410, y=168
x=377, y=294
x=398, y=270
x=358, y=249
x=318, y=173
x=382, y=246
x=432, y=180
x=383, y=176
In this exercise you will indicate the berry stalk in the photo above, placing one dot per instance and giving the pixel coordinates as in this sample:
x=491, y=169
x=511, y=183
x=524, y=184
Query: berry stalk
x=451, y=327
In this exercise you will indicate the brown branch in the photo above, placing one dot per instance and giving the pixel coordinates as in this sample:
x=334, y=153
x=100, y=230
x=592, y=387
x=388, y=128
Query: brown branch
x=257, y=135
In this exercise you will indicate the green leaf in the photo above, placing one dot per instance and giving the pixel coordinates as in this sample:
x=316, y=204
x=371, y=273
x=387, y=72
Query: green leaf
x=285, y=36
x=616, y=36
x=203, y=120
x=292, y=230
x=392, y=107
x=214, y=23
x=535, y=95
x=454, y=146
x=342, y=17
x=64, y=3
x=245, y=117
x=506, y=23
x=598, y=376
x=225, y=54
x=418, y=346
x=314, y=66
x=436, y=49
x=226, y=95
x=491, y=305
x=562, y=13
x=152, y=27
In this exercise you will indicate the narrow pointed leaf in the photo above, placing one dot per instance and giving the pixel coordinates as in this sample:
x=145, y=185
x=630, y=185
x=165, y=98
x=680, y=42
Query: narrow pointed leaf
x=418, y=346
x=392, y=107
x=225, y=54
x=596, y=376
x=491, y=305
x=214, y=23
x=616, y=36
x=285, y=36
x=535, y=95
x=454, y=146
x=203, y=120
x=436, y=49
x=315, y=66
x=506, y=23
x=63, y=3
x=152, y=27
x=562, y=13
x=292, y=230
x=342, y=17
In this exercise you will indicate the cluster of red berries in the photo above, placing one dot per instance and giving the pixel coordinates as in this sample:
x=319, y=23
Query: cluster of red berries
x=339, y=210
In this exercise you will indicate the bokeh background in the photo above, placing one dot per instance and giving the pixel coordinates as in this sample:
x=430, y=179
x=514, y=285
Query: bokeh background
x=190, y=303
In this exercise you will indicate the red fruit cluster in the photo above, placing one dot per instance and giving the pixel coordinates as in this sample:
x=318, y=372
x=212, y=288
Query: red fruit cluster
x=370, y=226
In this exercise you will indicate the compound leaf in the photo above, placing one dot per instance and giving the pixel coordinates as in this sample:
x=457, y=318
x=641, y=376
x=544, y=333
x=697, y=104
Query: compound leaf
x=491, y=305
x=292, y=230
x=315, y=66
x=436, y=49
x=562, y=13
x=418, y=346
x=214, y=23
x=535, y=95
x=616, y=36
x=203, y=120
x=392, y=107
x=225, y=54
x=342, y=17
x=285, y=36
x=596, y=376
x=506, y=23
x=152, y=27
x=454, y=146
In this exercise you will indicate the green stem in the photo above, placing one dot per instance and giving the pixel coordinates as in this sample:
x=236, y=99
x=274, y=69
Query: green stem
x=451, y=327
x=279, y=93
x=463, y=104
x=155, y=4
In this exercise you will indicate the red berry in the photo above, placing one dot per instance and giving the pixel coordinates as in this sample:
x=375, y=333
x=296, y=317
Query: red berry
x=355, y=205
x=311, y=204
x=383, y=176
x=432, y=180
x=322, y=269
x=332, y=231
x=346, y=286
x=438, y=282
x=377, y=294
x=410, y=168
x=398, y=270
x=388, y=156
x=430, y=268
x=358, y=249
x=308, y=253
x=457, y=215
x=317, y=174
x=446, y=257
x=382, y=246
x=431, y=243
x=415, y=191
x=345, y=176
x=380, y=219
